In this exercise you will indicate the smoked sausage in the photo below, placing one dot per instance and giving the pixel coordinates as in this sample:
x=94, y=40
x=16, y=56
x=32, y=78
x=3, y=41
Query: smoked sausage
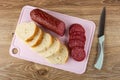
x=78, y=54
x=48, y=21
x=76, y=28
x=76, y=42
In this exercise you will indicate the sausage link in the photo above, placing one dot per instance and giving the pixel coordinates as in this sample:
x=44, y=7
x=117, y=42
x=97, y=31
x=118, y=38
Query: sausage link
x=48, y=21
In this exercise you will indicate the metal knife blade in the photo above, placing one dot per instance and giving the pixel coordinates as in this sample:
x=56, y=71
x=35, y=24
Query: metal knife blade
x=101, y=38
x=102, y=23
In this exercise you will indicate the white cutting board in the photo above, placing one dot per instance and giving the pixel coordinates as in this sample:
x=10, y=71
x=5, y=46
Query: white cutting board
x=24, y=52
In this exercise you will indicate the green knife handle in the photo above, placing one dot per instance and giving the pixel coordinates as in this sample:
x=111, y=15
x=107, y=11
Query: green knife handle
x=100, y=59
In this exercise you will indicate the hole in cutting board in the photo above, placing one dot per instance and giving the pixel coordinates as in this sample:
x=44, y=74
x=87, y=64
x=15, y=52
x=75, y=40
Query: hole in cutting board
x=14, y=50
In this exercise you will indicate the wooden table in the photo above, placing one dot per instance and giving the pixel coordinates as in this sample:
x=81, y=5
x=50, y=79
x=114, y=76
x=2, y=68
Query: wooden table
x=17, y=69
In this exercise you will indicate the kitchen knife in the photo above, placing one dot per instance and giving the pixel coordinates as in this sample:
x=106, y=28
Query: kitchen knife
x=101, y=38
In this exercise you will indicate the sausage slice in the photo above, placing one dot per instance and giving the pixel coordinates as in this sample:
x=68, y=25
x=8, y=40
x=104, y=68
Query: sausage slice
x=80, y=37
x=76, y=43
x=76, y=28
x=78, y=54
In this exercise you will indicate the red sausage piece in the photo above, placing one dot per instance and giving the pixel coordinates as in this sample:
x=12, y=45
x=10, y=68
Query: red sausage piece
x=48, y=21
x=76, y=28
x=78, y=54
x=76, y=43
x=80, y=37
x=77, y=32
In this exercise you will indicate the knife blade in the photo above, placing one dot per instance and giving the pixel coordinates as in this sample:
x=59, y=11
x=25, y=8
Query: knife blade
x=101, y=38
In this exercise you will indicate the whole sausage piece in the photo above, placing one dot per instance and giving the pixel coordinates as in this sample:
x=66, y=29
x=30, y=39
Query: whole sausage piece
x=48, y=21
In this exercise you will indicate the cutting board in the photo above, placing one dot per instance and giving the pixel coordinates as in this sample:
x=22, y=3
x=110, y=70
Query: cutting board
x=25, y=52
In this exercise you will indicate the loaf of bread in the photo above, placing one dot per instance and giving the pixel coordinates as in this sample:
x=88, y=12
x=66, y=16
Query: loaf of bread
x=43, y=43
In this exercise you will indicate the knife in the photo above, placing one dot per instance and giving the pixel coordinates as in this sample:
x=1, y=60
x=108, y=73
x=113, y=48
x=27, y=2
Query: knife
x=101, y=38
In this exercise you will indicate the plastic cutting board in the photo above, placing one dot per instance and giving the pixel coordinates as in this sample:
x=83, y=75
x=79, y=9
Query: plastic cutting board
x=24, y=52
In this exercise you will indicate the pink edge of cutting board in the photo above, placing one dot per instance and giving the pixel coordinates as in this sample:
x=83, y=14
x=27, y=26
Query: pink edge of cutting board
x=26, y=53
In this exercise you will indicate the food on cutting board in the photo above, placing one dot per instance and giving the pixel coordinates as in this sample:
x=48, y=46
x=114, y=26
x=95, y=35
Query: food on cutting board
x=37, y=38
x=78, y=53
x=47, y=41
x=48, y=21
x=61, y=57
x=43, y=43
x=77, y=28
x=54, y=48
x=26, y=31
x=77, y=35
x=77, y=42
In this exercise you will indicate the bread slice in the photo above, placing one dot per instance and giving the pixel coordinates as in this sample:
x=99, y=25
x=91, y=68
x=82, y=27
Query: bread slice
x=45, y=43
x=37, y=39
x=61, y=57
x=26, y=31
x=53, y=49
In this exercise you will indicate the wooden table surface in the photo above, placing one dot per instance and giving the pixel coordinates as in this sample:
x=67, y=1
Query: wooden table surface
x=16, y=69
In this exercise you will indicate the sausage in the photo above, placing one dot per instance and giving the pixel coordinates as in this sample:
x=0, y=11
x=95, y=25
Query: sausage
x=76, y=28
x=78, y=54
x=77, y=32
x=76, y=43
x=48, y=21
x=80, y=37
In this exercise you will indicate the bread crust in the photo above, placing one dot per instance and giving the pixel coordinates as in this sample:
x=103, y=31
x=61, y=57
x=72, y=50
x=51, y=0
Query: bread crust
x=39, y=39
x=37, y=48
x=52, y=58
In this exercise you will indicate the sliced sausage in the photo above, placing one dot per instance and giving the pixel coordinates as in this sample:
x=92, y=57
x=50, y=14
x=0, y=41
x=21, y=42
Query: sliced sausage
x=75, y=28
x=76, y=43
x=78, y=54
x=77, y=32
x=80, y=37
x=48, y=21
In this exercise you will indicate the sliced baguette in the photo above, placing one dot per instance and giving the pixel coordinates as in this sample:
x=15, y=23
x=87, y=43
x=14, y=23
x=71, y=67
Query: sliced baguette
x=26, y=31
x=61, y=57
x=45, y=43
x=37, y=39
x=53, y=49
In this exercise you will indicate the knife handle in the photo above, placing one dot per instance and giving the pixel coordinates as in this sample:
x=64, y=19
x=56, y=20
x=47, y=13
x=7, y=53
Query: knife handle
x=100, y=58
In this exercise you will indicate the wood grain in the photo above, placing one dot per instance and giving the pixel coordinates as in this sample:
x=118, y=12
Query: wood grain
x=17, y=69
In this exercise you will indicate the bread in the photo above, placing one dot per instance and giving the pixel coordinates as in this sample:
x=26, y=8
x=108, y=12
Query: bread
x=61, y=57
x=53, y=49
x=37, y=39
x=45, y=43
x=26, y=31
